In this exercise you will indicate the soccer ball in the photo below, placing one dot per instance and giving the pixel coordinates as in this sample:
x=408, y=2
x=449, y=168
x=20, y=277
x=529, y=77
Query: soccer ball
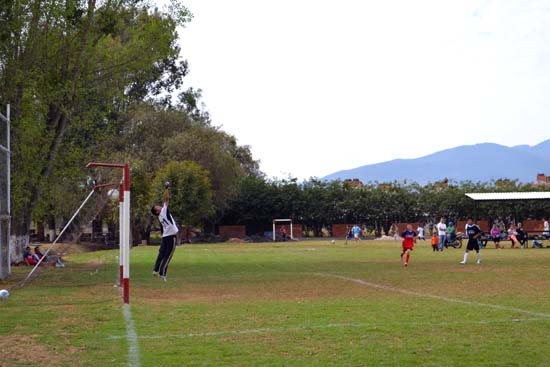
x=4, y=294
x=333, y=242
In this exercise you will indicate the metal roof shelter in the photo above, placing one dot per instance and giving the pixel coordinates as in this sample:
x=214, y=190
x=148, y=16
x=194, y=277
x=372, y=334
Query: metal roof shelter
x=491, y=196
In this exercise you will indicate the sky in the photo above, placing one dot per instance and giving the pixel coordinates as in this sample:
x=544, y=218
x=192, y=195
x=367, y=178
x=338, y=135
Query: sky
x=317, y=86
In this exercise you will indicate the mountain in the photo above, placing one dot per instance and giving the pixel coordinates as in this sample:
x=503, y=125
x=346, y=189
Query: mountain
x=480, y=162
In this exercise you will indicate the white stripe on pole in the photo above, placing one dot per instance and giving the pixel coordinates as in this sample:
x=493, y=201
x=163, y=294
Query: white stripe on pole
x=126, y=270
x=120, y=239
x=8, y=143
x=126, y=262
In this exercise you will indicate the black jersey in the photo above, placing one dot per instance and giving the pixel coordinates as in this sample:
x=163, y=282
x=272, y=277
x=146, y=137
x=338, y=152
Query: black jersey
x=472, y=231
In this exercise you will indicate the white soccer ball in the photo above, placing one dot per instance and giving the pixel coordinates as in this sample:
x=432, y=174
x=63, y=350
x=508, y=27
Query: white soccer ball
x=4, y=294
x=333, y=242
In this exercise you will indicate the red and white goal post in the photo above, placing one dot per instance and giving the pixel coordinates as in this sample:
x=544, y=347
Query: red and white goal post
x=124, y=225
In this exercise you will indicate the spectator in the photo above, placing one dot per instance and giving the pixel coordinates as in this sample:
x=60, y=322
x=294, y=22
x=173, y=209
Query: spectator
x=441, y=232
x=451, y=232
x=39, y=253
x=512, y=234
x=495, y=235
x=521, y=235
x=546, y=232
x=30, y=258
x=420, y=231
x=537, y=244
x=435, y=241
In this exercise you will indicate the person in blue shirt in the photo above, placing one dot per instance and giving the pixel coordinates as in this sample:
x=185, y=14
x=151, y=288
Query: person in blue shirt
x=356, y=232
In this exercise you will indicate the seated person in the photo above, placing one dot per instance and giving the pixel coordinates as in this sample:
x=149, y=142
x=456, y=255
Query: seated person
x=512, y=234
x=29, y=257
x=483, y=240
x=537, y=244
x=495, y=235
x=521, y=235
x=451, y=232
x=39, y=253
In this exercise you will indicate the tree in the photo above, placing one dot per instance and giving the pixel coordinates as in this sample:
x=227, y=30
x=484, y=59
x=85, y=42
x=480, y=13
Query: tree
x=190, y=191
x=68, y=69
x=156, y=135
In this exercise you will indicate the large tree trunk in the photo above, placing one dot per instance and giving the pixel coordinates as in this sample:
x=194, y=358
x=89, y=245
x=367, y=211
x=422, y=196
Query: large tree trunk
x=17, y=247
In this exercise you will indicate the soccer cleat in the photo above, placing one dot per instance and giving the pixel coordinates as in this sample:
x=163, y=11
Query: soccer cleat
x=479, y=262
x=405, y=264
x=463, y=262
x=155, y=273
x=163, y=278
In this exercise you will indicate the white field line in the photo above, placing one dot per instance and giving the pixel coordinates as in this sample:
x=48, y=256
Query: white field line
x=131, y=335
x=433, y=296
x=328, y=326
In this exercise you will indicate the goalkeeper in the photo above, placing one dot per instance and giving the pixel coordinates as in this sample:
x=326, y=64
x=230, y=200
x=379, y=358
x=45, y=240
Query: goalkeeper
x=169, y=235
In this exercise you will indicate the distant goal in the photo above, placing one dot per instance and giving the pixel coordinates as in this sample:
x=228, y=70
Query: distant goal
x=282, y=222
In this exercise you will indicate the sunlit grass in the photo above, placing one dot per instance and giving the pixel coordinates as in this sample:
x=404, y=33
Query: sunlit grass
x=308, y=303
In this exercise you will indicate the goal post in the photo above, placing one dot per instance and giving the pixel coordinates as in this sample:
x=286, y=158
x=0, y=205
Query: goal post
x=276, y=221
x=5, y=202
x=124, y=232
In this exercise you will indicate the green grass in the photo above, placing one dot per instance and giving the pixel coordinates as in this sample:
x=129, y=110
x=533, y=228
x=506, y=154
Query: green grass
x=281, y=305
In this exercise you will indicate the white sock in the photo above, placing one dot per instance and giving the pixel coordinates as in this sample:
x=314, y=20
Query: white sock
x=479, y=256
x=465, y=256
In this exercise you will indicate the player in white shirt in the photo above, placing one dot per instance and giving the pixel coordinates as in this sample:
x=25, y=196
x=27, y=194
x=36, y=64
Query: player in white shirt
x=420, y=231
x=442, y=233
x=169, y=235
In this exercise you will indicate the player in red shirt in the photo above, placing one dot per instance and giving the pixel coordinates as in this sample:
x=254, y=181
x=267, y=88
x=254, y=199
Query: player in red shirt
x=409, y=238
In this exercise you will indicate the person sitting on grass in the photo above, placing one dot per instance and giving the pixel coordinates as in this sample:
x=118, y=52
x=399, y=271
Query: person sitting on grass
x=537, y=244
x=30, y=258
x=39, y=253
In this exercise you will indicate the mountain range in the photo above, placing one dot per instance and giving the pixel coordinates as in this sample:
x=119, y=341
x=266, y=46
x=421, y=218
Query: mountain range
x=477, y=163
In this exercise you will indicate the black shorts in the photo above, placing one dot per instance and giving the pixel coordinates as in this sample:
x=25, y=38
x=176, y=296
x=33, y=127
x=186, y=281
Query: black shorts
x=472, y=245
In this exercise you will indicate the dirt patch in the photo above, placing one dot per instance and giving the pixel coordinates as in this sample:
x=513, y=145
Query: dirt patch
x=24, y=349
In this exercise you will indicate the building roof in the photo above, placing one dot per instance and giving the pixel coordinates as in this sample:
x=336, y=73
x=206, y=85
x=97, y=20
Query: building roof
x=536, y=195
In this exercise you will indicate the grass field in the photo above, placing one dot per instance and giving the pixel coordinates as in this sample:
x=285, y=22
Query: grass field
x=308, y=303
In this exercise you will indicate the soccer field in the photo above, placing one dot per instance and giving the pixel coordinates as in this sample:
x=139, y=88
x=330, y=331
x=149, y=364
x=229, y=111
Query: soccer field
x=308, y=303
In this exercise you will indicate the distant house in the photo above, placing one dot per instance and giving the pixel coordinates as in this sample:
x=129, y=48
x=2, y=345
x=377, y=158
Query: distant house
x=354, y=182
x=442, y=184
x=542, y=180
